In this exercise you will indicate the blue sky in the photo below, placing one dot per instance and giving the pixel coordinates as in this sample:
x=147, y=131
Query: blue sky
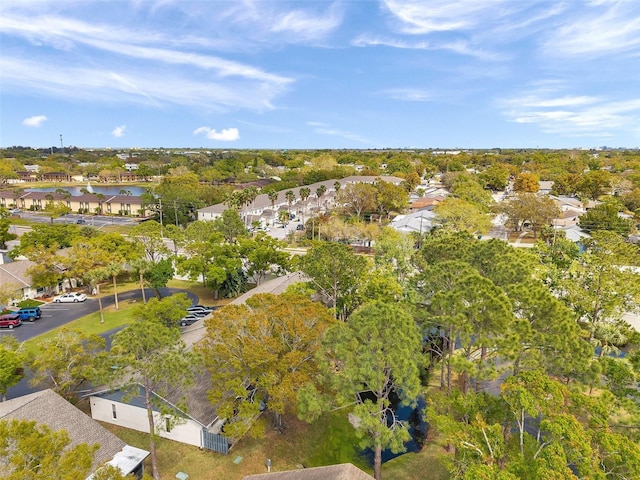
x=320, y=74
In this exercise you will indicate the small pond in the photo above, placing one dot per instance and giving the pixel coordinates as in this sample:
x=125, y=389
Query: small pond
x=418, y=428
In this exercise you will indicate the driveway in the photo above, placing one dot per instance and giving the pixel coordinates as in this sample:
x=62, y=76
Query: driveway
x=55, y=315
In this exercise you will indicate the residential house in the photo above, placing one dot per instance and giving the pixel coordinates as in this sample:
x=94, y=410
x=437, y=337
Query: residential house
x=16, y=273
x=55, y=177
x=417, y=222
x=48, y=408
x=128, y=205
x=343, y=471
x=199, y=425
x=256, y=210
x=427, y=202
x=27, y=176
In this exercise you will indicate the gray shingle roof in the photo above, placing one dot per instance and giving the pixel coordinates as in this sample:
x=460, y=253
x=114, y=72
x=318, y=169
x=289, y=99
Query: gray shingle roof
x=343, y=471
x=48, y=408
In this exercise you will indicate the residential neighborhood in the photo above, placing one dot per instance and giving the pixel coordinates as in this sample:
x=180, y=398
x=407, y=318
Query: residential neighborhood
x=213, y=320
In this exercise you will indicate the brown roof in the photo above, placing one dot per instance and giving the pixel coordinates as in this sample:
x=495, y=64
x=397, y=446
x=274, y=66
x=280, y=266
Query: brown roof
x=48, y=408
x=343, y=471
x=16, y=273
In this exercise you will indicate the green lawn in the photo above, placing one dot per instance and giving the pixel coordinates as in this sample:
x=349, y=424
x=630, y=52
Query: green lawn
x=90, y=324
x=328, y=441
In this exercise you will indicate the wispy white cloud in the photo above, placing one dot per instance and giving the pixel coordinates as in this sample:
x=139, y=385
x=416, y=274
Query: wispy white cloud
x=324, y=129
x=420, y=17
x=571, y=115
x=461, y=47
x=409, y=94
x=34, y=121
x=606, y=28
x=305, y=24
x=119, y=131
x=224, y=135
x=151, y=86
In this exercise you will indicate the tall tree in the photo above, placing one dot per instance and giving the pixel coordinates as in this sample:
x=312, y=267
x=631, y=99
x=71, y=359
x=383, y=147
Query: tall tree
x=67, y=361
x=30, y=451
x=390, y=198
x=377, y=352
x=12, y=363
x=459, y=215
x=262, y=255
x=605, y=217
x=335, y=272
x=153, y=358
x=357, y=198
x=262, y=351
x=230, y=225
x=599, y=286
x=529, y=208
x=5, y=234
x=526, y=182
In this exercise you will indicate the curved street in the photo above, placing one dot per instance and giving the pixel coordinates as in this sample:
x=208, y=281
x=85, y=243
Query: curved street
x=55, y=315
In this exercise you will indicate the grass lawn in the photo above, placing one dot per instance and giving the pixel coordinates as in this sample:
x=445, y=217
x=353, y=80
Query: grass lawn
x=204, y=294
x=328, y=441
x=90, y=324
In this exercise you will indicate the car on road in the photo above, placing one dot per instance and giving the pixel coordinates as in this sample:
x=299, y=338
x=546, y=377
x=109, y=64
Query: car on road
x=71, y=297
x=200, y=310
x=81, y=221
x=10, y=320
x=31, y=314
x=189, y=320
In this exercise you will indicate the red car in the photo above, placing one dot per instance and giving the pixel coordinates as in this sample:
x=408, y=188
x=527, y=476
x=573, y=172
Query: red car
x=10, y=320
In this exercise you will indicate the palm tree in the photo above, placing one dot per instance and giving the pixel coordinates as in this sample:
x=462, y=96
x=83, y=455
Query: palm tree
x=273, y=196
x=320, y=191
x=305, y=192
x=290, y=199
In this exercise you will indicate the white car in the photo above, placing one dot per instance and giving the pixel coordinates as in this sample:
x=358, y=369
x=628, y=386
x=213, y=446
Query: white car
x=71, y=297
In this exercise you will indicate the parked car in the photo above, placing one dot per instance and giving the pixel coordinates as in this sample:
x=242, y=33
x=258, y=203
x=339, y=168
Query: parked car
x=71, y=297
x=31, y=314
x=10, y=320
x=299, y=227
x=200, y=310
x=81, y=221
x=189, y=320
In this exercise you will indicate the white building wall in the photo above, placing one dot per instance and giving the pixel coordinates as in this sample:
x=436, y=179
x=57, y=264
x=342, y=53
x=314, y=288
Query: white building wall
x=135, y=418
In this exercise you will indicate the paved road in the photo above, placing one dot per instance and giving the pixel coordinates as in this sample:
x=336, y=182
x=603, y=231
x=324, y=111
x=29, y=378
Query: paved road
x=94, y=220
x=55, y=315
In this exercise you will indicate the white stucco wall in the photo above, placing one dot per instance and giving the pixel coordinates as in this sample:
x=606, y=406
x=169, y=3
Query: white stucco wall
x=135, y=418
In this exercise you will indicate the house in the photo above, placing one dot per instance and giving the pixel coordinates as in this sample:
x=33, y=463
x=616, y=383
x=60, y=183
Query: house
x=16, y=273
x=419, y=222
x=343, y=471
x=426, y=202
x=55, y=177
x=85, y=203
x=48, y=408
x=199, y=425
x=262, y=202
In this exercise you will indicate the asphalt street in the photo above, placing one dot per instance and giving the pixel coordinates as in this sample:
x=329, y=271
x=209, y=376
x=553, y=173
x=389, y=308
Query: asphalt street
x=56, y=315
x=93, y=220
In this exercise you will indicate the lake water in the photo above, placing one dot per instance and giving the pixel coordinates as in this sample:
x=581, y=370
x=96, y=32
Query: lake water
x=75, y=191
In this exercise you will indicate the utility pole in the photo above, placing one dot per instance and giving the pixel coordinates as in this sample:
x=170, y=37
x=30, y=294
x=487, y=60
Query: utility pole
x=61, y=145
x=175, y=209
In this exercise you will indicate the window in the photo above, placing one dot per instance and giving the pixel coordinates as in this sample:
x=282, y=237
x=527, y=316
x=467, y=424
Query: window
x=113, y=411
